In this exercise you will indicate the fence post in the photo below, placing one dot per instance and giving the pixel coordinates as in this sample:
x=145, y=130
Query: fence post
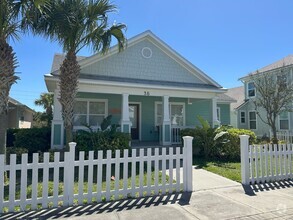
x=187, y=164
x=244, y=145
x=69, y=174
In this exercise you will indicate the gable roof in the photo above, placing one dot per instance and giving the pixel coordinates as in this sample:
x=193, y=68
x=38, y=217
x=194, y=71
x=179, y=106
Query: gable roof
x=285, y=61
x=85, y=61
x=224, y=98
x=237, y=94
x=17, y=103
x=58, y=60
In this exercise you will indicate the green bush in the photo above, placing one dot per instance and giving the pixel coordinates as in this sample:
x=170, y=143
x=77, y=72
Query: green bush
x=230, y=147
x=11, y=132
x=101, y=140
x=33, y=139
x=15, y=150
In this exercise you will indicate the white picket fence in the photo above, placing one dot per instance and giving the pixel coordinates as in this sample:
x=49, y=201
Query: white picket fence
x=56, y=179
x=265, y=163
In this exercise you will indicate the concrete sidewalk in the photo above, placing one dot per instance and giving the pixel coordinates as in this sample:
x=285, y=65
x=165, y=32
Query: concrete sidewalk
x=214, y=197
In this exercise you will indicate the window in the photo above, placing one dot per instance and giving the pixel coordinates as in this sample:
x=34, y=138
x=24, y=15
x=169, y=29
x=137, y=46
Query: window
x=252, y=120
x=90, y=112
x=177, y=114
x=218, y=114
x=251, y=89
x=282, y=80
x=284, y=121
x=242, y=117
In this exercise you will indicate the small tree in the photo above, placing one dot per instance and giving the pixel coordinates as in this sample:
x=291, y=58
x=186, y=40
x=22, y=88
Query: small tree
x=46, y=100
x=274, y=95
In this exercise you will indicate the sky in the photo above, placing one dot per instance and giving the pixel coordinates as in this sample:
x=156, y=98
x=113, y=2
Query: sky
x=226, y=39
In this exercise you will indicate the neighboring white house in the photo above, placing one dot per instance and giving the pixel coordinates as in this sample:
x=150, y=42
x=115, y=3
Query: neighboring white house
x=247, y=117
x=237, y=94
x=149, y=89
x=19, y=115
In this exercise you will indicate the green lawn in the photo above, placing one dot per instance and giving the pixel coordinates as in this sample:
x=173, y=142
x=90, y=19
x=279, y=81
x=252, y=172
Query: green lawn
x=228, y=169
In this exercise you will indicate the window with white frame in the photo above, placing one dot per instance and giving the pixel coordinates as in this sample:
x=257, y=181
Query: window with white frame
x=252, y=120
x=177, y=113
x=218, y=114
x=282, y=79
x=242, y=117
x=251, y=89
x=89, y=112
x=284, y=121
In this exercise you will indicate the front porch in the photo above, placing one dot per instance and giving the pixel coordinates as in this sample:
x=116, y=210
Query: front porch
x=151, y=120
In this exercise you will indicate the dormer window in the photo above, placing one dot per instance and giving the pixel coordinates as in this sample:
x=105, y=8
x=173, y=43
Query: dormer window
x=251, y=89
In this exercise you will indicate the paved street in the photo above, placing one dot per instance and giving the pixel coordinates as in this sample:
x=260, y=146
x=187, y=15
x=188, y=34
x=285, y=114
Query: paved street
x=214, y=197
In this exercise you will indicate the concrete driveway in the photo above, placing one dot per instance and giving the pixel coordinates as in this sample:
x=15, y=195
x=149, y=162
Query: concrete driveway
x=214, y=197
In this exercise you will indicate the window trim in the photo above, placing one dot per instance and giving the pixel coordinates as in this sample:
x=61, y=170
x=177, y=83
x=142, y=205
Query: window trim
x=241, y=117
x=248, y=90
x=288, y=117
x=78, y=127
x=170, y=103
x=250, y=120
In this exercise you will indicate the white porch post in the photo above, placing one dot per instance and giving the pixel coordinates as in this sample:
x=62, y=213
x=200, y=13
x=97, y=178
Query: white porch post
x=214, y=112
x=166, y=125
x=57, y=129
x=125, y=120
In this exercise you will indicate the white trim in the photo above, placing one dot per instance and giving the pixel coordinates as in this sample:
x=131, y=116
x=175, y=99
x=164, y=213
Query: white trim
x=244, y=117
x=87, y=114
x=150, y=51
x=140, y=122
x=170, y=104
x=117, y=86
x=255, y=120
x=288, y=118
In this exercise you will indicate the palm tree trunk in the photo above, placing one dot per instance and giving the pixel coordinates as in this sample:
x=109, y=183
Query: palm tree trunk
x=69, y=73
x=3, y=128
x=7, y=78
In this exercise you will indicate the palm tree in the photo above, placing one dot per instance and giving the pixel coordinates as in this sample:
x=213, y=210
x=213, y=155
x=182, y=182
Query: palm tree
x=46, y=101
x=76, y=24
x=15, y=15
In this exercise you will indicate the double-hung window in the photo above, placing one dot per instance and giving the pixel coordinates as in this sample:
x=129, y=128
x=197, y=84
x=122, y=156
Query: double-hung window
x=250, y=89
x=90, y=112
x=242, y=117
x=284, y=121
x=252, y=120
x=176, y=111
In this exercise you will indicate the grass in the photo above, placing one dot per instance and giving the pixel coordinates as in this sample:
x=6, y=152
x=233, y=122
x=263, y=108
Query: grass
x=228, y=169
x=85, y=189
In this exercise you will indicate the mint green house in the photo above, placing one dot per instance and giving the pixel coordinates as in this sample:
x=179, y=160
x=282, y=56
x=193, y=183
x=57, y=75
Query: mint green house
x=149, y=89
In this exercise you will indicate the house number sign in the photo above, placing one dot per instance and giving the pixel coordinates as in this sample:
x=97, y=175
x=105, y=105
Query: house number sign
x=146, y=93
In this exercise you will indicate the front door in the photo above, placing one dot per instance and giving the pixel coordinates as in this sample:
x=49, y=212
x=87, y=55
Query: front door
x=134, y=118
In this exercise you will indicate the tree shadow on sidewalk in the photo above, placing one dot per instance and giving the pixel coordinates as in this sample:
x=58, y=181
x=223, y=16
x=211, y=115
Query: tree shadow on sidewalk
x=104, y=207
x=261, y=187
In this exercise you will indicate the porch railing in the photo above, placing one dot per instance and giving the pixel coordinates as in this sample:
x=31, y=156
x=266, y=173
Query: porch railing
x=175, y=133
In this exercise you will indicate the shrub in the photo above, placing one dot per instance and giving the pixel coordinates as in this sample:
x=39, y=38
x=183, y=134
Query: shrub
x=204, y=138
x=230, y=148
x=33, y=139
x=15, y=150
x=11, y=132
x=101, y=140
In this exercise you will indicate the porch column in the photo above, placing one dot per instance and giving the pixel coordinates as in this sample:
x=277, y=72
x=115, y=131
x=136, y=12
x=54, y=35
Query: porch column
x=57, y=129
x=166, y=125
x=214, y=112
x=125, y=120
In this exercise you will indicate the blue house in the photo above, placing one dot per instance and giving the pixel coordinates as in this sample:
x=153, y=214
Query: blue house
x=149, y=89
